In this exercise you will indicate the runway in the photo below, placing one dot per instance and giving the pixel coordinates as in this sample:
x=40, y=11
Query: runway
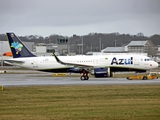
x=46, y=79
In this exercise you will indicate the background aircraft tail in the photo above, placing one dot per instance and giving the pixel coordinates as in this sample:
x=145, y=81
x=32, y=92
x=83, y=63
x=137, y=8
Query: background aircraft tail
x=18, y=49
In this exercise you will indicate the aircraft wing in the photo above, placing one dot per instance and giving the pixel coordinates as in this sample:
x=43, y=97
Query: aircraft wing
x=73, y=64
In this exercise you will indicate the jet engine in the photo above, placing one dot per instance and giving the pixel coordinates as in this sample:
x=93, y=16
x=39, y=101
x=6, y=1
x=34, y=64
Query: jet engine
x=101, y=72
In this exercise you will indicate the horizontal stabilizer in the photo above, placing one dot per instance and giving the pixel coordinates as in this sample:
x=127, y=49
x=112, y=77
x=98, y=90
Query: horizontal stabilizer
x=14, y=62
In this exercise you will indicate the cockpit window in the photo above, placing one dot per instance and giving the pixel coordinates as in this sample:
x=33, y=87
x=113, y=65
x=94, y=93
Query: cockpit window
x=147, y=59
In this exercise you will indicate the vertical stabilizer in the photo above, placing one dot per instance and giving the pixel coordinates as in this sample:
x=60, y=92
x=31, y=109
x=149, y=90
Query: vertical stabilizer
x=18, y=49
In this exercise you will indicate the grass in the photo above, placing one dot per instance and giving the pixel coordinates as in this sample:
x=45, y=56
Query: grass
x=136, y=102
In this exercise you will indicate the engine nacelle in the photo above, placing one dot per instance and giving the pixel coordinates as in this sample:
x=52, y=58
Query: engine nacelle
x=101, y=72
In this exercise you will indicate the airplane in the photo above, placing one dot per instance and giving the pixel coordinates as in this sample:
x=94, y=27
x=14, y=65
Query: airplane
x=99, y=65
x=9, y=54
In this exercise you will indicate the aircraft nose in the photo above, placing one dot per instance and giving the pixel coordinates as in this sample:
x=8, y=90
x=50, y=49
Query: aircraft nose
x=156, y=65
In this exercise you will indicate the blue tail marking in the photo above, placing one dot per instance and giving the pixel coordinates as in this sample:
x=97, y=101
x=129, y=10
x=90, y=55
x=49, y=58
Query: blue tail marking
x=18, y=49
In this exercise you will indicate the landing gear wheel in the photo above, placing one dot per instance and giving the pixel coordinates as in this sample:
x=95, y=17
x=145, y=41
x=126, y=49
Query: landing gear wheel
x=144, y=78
x=84, y=78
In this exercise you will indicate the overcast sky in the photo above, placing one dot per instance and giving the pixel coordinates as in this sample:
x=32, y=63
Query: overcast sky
x=81, y=17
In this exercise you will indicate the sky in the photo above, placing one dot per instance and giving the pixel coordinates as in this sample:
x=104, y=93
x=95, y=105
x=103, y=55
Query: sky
x=80, y=17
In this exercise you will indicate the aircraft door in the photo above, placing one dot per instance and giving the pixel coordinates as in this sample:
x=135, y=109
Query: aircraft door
x=136, y=60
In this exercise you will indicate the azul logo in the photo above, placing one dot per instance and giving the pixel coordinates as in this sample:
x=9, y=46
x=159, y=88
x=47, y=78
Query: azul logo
x=116, y=61
x=17, y=46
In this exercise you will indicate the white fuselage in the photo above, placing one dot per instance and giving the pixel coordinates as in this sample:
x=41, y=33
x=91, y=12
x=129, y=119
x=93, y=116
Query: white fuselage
x=117, y=61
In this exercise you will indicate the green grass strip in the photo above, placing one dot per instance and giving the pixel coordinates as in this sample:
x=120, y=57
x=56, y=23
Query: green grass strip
x=130, y=102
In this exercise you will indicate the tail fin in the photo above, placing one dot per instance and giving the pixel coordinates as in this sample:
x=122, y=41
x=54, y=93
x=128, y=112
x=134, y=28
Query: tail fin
x=17, y=47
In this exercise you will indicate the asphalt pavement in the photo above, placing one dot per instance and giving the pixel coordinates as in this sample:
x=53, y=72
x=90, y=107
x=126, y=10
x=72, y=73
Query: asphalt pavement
x=37, y=78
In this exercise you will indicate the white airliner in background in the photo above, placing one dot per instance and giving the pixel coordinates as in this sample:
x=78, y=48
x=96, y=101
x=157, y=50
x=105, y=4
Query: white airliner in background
x=99, y=66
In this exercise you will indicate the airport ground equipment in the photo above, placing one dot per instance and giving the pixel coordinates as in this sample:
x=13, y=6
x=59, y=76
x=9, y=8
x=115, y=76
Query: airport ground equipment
x=148, y=76
x=1, y=87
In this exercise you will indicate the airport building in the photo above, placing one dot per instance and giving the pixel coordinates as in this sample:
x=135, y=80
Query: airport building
x=142, y=47
x=47, y=49
x=43, y=49
x=139, y=47
x=115, y=50
x=158, y=51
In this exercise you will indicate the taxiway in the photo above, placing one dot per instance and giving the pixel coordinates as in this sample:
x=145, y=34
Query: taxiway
x=47, y=79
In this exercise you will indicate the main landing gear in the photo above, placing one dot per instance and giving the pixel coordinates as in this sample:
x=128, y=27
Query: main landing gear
x=84, y=75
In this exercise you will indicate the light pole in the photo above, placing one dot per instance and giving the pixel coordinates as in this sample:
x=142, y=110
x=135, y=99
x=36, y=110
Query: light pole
x=1, y=53
x=68, y=46
x=91, y=47
x=115, y=43
x=79, y=49
x=82, y=45
x=100, y=42
x=79, y=45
